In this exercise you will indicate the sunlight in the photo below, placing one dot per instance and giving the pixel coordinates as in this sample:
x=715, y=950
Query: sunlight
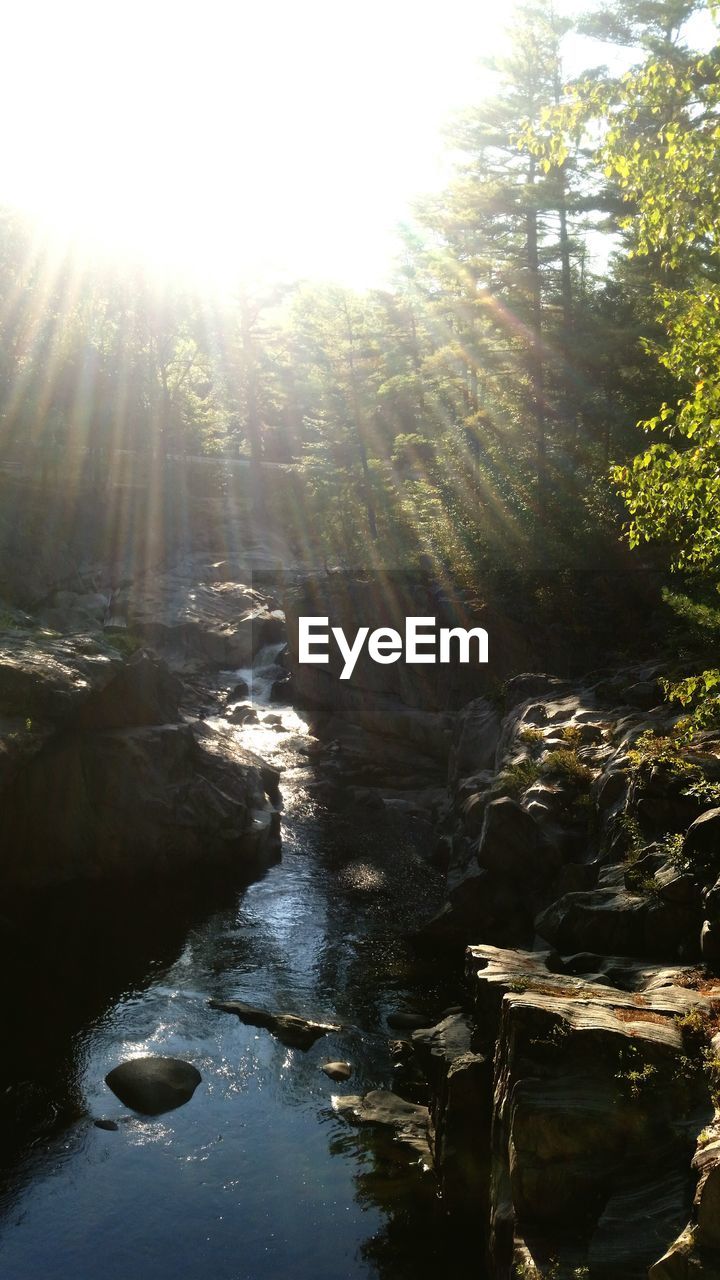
x=239, y=137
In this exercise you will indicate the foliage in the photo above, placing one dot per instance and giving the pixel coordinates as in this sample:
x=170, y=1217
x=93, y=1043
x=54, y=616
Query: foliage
x=469, y=411
x=531, y=736
x=563, y=762
x=518, y=777
x=696, y=693
x=635, y=1076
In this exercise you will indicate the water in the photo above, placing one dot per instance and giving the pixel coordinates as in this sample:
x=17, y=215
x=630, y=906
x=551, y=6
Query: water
x=256, y=1178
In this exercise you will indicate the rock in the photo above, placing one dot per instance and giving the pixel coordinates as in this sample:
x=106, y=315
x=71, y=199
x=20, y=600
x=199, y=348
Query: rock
x=645, y=694
x=710, y=942
x=475, y=739
x=510, y=842
x=408, y=1122
x=592, y=1105
x=701, y=846
x=711, y=900
x=473, y=812
x=642, y=1214
x=157, y=800
x=142, y=692
x=243, y=713
x=290, y=1030
x=611, y=787
x=281, y=690
x=110, y=1125
x=683, y=1261
x=337, y=1070
x=618, y=922
x=461, y=1090
x=479, y=905
x=239, y=691
x=707, y=1193
x=153, y=1085
x=216, y=624
x=677, y=886
x=51, y=678
x=273, y=721
x=531, y=685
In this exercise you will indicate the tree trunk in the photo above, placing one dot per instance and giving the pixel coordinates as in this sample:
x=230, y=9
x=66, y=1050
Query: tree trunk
x=535, y=362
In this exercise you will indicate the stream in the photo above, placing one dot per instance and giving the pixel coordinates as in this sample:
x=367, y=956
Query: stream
x=256, y=1177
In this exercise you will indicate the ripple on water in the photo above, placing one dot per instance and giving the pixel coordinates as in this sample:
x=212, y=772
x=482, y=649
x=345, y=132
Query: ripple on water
x=255, y=1178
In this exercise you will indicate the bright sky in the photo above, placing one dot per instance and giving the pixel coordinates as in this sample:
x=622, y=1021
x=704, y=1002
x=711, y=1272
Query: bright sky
x=226, y=135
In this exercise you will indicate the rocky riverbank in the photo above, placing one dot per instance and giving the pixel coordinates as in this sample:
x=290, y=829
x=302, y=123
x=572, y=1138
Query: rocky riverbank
x=109, y=765
x=572, y=1104
x=567, y=1104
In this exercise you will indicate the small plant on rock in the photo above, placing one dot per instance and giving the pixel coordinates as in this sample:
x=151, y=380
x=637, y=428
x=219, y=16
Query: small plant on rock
x=635, y=1076
x=671, y=846
x=518, y=777
x=531, y=736
x=564, y=763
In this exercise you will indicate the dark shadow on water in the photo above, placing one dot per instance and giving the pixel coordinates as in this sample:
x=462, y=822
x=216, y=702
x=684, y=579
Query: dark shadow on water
x=65, y=958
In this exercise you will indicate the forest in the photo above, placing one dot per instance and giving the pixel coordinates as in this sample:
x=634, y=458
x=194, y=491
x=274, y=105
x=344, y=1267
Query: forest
x=359, y=676
x=556, y=301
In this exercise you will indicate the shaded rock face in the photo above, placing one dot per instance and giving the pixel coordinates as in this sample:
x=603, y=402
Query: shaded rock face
x=143, y=692
x=572, y=1109
x=152, y=800
x=98, y=777
x=153, y=1085
x=591, y=1110
x=48, y=677
x=475, y=740
x=573, y=835
x=461, y=1085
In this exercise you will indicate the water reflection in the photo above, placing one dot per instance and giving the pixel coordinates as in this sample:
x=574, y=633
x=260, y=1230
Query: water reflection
x=254, y=1179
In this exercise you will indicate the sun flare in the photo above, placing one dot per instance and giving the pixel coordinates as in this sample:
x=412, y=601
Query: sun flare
x=234, y=137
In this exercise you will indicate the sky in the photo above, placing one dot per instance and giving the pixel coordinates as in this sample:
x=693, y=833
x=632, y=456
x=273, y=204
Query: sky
x=227, y=137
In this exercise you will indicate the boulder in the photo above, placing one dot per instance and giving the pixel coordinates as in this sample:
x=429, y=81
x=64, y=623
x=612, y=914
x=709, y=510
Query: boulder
x=47, y=677
x=643, y=1213
x=290, y=1030
x=212, y=624
x=337, y=1070
x=475, y=739
x=461, y=1091
x=509, y=842
x=408, y=1123
x=701, y=846
x=616, y=921
x=142, y=692
x=710, y=942
x=143, y=801
x=479, y=905
x=153, y=1085
x=593, y=1105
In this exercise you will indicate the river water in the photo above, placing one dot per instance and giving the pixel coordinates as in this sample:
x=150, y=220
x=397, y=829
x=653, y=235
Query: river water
x=256, y=1178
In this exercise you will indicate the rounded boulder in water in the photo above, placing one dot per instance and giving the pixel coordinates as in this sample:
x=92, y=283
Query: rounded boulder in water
x=153, y=1085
